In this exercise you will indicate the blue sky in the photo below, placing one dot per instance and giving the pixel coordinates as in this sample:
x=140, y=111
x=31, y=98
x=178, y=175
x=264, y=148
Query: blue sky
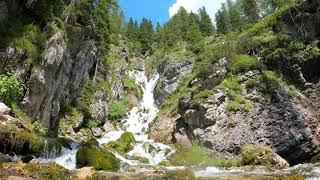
x=156, y=10
x=162, y=10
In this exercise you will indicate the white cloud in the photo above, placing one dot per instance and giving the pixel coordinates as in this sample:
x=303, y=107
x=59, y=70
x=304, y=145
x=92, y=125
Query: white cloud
x=212, y=6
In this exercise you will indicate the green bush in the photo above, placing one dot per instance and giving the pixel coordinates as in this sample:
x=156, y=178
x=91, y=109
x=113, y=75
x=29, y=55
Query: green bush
x=237, y=101
x=202, y=95
x=118, y=109
x=243, y=63
x=130, y=85
x=37, y=128
x=271, y=78
x=11, y=88
x=91, y=124
x=256, y=155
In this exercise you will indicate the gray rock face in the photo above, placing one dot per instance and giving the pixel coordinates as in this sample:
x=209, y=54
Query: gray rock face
x=170, y=71
x=58, y=80
x=288, y=124
x=4, y=109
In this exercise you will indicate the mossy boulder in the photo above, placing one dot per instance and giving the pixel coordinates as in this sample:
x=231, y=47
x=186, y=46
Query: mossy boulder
x=21, y=142
x=165, y=163
x=91, y=154
x=257, y=155
x=124, y=144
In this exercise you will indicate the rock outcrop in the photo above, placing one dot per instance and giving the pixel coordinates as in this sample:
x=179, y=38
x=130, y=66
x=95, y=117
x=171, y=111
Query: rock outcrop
x=58, y=79
x=170, y=70
x=285, y=121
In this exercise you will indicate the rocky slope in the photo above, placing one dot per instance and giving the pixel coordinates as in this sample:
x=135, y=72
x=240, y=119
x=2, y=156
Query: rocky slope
x=233, y=107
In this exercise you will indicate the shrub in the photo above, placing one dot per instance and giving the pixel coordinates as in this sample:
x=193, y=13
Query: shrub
x=243, y=63
x=37, y=128
x=118, y=109
x=238, y=101
x=256, y=155
x=271, y=78
x=11, y=88
x=202, y=95
x=130, y=84
x=91, y=124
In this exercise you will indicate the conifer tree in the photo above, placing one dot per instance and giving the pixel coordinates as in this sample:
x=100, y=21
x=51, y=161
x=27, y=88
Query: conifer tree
x=206, y=26
x=223, y=20
x=250, y=9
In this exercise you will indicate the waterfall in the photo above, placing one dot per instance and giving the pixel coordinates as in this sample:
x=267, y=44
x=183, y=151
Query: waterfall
x=137, y=123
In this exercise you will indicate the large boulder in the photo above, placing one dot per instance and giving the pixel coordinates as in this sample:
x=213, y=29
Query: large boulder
x=91, y=154
x=4, y=109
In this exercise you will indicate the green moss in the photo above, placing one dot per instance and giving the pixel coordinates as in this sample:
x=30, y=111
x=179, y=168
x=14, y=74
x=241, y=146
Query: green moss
x=124, y=144
x=244, y=63
x=90, y=154
x=256, y=155
x=47, y=171
x=165, y=163
x=180, y=174
x=118, y=109
x=199, y=156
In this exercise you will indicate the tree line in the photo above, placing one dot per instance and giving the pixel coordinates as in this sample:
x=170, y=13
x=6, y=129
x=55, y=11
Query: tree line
x=233, y=16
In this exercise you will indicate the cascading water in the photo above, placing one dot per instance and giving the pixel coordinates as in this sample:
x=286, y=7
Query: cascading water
x=138, y=122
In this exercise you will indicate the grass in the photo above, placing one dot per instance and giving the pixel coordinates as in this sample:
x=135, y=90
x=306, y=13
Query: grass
x=202, y=95
x=244, y=63
x=237, y=101
x=199, y=156
x=119, y=109
x=130, y=85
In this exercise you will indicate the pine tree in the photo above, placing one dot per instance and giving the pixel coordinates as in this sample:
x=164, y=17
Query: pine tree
x=250, y=9
x=131, y=30
x=146, y=34
x=223, y=20
x=206, y=26
x=237, y=23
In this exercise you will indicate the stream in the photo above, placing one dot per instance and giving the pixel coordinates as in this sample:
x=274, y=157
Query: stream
x=137, y=122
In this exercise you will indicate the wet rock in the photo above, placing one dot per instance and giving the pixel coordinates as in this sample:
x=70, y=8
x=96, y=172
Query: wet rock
x=108, y=127
x=4, y=158
x=4, y=109
x=27, y=158
x=97, y=132
x=161, y=130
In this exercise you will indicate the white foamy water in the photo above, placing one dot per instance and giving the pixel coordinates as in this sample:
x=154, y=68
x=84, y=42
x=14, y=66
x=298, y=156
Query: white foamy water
x=67, y=158
x=138, y=122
